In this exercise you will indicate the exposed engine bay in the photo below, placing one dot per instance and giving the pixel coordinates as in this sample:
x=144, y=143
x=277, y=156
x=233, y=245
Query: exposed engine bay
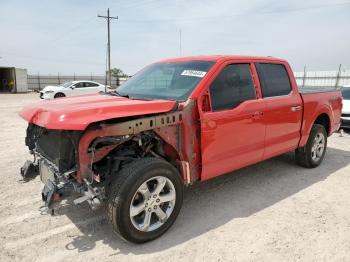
x=85, y=162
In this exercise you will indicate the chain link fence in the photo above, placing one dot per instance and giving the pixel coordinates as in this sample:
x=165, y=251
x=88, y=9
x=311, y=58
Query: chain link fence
x=314, y=79
x=38, y=82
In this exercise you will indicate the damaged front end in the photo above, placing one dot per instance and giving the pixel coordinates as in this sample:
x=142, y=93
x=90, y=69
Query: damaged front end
x=84, y=162
x=54, y=161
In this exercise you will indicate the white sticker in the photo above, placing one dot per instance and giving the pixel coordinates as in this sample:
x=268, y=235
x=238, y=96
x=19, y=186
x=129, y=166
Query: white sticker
x=195, y=73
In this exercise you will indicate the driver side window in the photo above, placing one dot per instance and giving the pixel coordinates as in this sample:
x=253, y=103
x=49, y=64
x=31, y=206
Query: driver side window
x=231, y=87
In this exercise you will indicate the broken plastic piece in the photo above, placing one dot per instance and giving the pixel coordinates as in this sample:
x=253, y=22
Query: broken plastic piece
x=29, y=171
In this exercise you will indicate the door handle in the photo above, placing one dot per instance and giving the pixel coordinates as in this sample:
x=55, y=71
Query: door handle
x=295, y=108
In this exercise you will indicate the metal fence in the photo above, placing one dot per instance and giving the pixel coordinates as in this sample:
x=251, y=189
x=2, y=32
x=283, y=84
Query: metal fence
x=38, y=82
x=314, y=79
x=308, y=79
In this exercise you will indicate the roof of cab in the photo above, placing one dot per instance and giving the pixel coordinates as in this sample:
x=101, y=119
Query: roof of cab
x=217, y=58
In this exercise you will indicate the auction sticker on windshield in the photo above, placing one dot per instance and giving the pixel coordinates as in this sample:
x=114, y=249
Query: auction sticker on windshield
x=195, y=73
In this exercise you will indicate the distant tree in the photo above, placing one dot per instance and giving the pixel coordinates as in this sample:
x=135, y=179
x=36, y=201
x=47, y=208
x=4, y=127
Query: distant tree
x=116, y=72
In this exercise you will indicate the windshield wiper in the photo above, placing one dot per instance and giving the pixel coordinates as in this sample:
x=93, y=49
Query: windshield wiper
x=115, y=92
x=119, y=94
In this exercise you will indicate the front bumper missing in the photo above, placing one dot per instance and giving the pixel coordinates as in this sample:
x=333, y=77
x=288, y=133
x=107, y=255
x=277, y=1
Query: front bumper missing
x=47, y=176
x=58, y=186
x=29, y=171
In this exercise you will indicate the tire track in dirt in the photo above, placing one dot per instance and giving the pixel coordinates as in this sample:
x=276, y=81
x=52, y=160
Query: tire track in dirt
x=49, y=233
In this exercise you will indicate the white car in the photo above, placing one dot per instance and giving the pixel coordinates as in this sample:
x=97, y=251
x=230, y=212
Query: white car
x=345, y=114
x=72, y=88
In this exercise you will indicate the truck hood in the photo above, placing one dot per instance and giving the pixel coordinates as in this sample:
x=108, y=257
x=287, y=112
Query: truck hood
x=76, y=113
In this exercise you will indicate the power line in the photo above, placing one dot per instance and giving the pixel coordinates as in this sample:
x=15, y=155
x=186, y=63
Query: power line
x=137, y=4
x=233, y=15
x=108, y=19
x=72, y=29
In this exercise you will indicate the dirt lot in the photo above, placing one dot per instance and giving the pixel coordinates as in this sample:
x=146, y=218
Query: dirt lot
x=273, y=211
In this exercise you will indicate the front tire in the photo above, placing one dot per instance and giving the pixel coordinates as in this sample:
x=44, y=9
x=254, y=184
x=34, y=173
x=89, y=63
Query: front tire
x=144, y=199
x=312, y=154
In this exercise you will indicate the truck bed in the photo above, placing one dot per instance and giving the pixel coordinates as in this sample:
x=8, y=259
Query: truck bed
x=316, y=89
x=317, y=101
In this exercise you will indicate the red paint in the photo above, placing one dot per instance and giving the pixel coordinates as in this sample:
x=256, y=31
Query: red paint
x=76, y=113
x=213, y=143
x=329, y=103
x=232, y=138
x=258, y=129
x=282, y=124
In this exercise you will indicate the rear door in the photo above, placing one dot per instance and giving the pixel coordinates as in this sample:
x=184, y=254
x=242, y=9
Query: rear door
x=91, y=87
x=232, y=131
x=283, y=114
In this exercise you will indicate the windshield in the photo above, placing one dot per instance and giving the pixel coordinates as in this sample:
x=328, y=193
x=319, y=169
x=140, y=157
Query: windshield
x=68, y=84
x=345, y=91
x=171, y=81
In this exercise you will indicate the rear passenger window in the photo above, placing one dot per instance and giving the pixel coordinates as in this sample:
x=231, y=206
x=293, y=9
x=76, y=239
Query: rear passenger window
x=232, y=86
x=90, y=84
x=274, y=80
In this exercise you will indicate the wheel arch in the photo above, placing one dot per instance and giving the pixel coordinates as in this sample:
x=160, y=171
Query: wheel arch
x=167, y=126
x=324, y=120
x=322, y=116
x=59, y=93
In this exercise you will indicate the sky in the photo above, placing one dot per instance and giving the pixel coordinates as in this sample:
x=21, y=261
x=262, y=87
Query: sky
x=66, y=36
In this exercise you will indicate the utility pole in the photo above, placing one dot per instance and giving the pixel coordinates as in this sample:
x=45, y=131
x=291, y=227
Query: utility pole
x=108, y=19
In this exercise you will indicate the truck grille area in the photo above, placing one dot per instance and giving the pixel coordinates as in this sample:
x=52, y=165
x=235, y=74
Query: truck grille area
x=58, y=146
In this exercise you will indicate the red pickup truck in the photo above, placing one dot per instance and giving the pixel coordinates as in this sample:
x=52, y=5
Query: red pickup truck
x=175, y=122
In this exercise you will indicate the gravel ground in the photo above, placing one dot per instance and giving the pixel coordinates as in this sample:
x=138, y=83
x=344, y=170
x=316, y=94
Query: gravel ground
x=272, y=211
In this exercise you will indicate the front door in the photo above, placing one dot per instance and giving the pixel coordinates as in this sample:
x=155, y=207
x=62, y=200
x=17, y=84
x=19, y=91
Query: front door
x=232, y=132
x=78, y=89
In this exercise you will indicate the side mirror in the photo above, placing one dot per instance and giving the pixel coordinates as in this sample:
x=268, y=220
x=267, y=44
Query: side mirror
x=205, y=103
x=72, y=87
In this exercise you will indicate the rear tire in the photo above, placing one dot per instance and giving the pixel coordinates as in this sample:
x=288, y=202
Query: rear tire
x=135, y=195
x=59, y=95
x=312, y=154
